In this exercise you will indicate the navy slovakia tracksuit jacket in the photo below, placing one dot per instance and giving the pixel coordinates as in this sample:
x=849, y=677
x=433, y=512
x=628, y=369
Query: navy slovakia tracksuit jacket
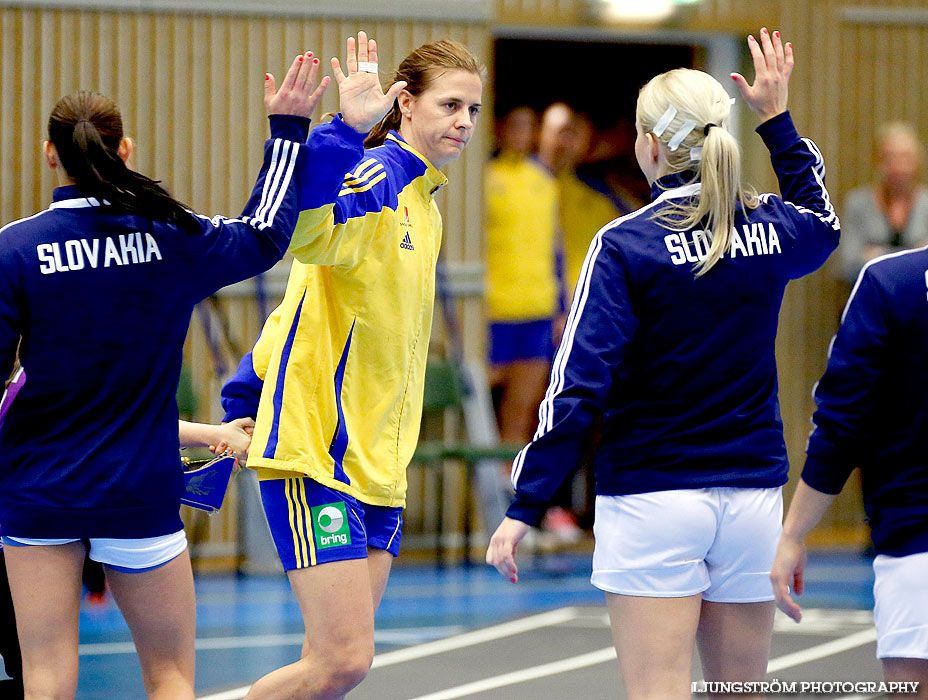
x=872, y=402
x=102, y=301
x=681, y=368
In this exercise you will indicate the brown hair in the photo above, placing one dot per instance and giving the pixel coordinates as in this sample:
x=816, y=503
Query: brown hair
x=86, y=130
x=419, y=69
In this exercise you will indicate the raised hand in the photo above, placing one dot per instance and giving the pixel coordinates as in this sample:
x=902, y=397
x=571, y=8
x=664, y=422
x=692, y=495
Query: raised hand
x=362, y=101
x=298, y=94
x=773, y=64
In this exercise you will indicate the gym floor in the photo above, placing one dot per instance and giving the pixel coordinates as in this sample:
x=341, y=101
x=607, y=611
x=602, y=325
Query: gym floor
x=456, y=632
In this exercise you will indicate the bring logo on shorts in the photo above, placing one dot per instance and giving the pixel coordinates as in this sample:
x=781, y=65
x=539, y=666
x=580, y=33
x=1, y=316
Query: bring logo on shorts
x=330, y=525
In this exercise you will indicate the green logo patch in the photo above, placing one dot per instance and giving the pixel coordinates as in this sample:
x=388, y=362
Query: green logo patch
x=330, y=525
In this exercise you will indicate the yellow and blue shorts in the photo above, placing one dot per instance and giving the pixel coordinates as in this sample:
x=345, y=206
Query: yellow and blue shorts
x=313, y=524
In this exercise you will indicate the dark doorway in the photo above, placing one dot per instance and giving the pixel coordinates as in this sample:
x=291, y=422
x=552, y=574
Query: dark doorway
x=600, y=80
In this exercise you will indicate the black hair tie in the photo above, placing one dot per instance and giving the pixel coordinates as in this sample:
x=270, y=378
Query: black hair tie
x=705, y=131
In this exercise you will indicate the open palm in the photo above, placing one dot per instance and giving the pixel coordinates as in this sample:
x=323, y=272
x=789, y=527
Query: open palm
x=298, y=94
x=362, y=100
x=773, y=64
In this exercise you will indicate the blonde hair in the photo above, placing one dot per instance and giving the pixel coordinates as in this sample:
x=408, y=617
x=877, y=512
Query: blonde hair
x=900, y=132
x=419, y=69
x=698, y=97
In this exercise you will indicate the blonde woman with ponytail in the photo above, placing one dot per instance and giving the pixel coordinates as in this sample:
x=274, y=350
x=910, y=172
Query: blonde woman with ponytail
x=335, y=382
x=709, y=154
x=670, y=338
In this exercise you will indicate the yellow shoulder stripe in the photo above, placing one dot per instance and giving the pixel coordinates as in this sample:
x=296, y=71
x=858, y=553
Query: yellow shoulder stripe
x=363, y=172
x=354, y=181
x=362, y=166
x=362, y=188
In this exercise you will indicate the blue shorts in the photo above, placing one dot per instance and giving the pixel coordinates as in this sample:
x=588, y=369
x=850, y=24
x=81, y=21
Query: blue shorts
x=523, y=340
x=313, y=524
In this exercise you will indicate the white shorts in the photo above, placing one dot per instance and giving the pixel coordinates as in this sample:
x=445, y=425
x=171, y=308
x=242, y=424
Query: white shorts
x=901, y=612
x=132, y=556
x=669, y=544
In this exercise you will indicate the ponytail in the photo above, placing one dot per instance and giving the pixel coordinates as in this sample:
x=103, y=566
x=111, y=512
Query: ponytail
x=418, y=69
x=690, y=107
x=720, y=173
x=86, y=130
x=389, y=123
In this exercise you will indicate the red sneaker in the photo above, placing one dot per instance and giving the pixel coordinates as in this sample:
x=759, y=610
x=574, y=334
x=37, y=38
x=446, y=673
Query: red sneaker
x=562, y=525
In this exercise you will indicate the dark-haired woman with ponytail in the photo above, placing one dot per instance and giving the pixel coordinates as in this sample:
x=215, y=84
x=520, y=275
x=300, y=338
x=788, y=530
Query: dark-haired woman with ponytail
x=101, y=286
x=670, y=339
x=342, y=360
x=86, y=148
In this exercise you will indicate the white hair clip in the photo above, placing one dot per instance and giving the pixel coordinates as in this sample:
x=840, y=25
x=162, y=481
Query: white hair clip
x=664, y=121
x=696, y=153
x=681, y=134
x=724, y=122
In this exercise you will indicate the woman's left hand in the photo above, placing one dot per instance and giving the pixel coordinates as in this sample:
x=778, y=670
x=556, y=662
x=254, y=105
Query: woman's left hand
x=362, y=101
x=502, y=550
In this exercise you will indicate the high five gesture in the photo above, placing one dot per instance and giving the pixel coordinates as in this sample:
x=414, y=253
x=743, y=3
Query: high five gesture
x=296, y=95
x=773, y=64
x=361, y=98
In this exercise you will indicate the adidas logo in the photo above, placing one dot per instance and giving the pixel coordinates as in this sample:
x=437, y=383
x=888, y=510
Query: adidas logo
x=407, y=243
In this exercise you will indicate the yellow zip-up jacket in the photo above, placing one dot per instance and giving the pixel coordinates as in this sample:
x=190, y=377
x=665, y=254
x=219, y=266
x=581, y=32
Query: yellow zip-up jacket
x=583, y=211
x=521, y=240
x=341, y=362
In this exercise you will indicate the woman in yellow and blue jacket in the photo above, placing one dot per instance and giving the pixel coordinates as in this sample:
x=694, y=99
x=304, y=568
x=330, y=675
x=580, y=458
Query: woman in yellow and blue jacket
x=340, y=364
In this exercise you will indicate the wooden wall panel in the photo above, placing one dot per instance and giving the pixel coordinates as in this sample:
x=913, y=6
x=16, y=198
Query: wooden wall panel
x=190, y=89
x=709, y=15
x=548, y=12
x=860, y=63
x=851, y=78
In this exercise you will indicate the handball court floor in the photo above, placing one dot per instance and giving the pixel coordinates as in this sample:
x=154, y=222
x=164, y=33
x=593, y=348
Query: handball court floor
x=457, y=632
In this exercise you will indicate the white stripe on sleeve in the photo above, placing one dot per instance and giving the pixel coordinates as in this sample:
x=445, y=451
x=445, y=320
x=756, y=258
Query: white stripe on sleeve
x=284, y=183
x=268, y=177
x=278, y=171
